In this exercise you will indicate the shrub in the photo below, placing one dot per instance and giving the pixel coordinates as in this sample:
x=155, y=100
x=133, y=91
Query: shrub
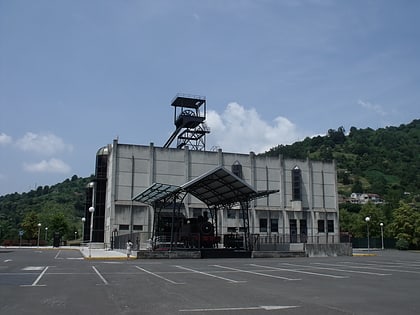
x=402, y=244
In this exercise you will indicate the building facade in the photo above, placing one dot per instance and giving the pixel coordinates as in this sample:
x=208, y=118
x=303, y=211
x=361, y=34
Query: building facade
x=305, y=208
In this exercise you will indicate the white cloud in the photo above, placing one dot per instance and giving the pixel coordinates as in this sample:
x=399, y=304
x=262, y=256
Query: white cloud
x=5, y=139
x=242, y=130
x=46, y=144
x=51, y=166
x=372, y=107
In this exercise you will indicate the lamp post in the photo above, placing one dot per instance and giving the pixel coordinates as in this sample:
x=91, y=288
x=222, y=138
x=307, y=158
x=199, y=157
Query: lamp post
x=367, y=219
x=46, y=234
x=75, y=235
x=382, y=234
x=83, y=229
x=91, y=210
x=39, y=232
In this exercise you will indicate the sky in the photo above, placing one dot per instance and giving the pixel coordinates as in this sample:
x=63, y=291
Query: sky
x=74, y=75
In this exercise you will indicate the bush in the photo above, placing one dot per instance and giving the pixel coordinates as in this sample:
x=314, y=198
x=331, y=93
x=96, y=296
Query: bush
x=402, y=244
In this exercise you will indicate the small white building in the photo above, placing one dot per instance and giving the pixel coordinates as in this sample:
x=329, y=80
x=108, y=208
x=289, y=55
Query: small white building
x=305, y=208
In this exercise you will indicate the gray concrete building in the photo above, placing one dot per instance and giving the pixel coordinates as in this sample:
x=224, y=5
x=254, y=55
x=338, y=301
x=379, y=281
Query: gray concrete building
x=304, y=210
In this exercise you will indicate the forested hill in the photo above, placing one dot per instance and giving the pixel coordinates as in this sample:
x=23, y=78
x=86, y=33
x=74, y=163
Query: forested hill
x=385, y=161
x=59, y=207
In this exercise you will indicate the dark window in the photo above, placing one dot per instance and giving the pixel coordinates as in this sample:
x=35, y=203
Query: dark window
x=296, y=184
x=274, y=225
x=231, y=214
x=321, y=226
x=231, y=229
x=293, y=230
x=330, y=226
x=237, y=169
x=197, y=212
x=124, y=227
x=241, y=229
x=137, y=227
x=263, y=225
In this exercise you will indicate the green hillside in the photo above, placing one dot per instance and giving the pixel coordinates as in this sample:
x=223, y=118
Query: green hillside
x=385, y=161
x=59, y=207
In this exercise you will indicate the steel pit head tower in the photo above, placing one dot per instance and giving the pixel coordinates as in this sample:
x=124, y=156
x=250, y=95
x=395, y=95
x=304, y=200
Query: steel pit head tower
x=189, y=117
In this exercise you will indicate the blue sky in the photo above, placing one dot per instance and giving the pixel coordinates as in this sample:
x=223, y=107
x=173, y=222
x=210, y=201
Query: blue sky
x=76, y=74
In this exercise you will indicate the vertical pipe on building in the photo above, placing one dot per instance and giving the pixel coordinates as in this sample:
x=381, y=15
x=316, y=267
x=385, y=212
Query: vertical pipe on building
x=187, y=175
x=323, y=204
x=282, y=194
x=151, y=214
x=132, y=194
x=311, y=197
x=254, y=184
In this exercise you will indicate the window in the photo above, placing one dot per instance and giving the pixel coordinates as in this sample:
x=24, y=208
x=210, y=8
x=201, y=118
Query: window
x=263, y=225
x=137, y=227
x=330, y=226
x=321, y=226
x=237, y=169
x=231, y=214
x=296, y=184
x=197, y=212
x=231, y=229
x=274, y=225
x=124, y=227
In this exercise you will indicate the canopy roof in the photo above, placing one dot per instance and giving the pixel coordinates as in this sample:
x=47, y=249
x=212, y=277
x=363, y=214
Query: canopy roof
x=218, y=187
x=157, y=192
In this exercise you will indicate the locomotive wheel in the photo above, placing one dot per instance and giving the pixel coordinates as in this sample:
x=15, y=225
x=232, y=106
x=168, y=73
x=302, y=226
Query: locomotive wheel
x=206, y=228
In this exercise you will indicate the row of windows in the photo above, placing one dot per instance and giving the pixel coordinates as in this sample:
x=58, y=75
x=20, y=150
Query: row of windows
x=126, y=227
x=274, y=225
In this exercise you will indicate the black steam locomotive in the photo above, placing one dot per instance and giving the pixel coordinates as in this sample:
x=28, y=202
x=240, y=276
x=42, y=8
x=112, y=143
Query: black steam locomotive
x=187, y=232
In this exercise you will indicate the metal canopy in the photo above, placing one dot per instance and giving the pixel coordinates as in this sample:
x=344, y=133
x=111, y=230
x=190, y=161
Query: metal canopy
x=219, y=187
x=156, y=193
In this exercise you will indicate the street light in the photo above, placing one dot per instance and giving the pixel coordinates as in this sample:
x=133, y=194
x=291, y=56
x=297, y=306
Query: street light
x=83, y=229
x=39, y=232
x=46, y=234
x=382, y=234
x=367, y=219
x=91, y=210
x=75, y=235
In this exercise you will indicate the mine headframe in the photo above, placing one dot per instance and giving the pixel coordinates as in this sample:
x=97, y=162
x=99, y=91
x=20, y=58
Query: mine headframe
x=189, y=117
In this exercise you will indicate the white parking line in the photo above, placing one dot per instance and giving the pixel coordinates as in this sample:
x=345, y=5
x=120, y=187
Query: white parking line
x=301, y=271
x=100, y=276
x=372, y=266
x=341, y=270
x=256, y=273
x=210, y=275
x=158, y=276
x=35, y=283
x=251, y=308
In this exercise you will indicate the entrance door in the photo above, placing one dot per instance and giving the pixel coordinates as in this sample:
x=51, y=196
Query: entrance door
x=303, y=231
x=293, y=230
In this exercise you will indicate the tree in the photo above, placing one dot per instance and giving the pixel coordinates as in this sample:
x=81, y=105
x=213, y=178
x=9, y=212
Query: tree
x=30, y=225
x=406, y=224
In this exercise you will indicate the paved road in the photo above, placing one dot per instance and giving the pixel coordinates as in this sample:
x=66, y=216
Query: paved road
x=62, y=282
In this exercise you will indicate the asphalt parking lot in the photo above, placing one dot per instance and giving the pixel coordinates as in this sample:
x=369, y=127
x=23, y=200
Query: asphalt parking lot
x=34, y=281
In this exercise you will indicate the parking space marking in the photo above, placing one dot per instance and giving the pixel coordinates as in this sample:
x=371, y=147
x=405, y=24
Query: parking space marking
x=341, y=270
x=257, y=273
x=35, y=283
x=251, y=308
x=100, y=276
x=301, y=271
x=375, y=267
x=158, y=276
x=210, y=275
